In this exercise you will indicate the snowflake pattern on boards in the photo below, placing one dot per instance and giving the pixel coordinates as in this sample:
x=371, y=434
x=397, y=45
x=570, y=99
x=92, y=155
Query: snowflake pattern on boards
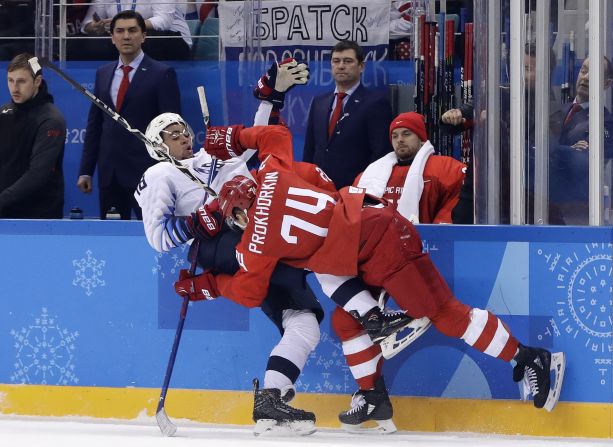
x=333, y=373
x=171, y=262
x=88, y=273
x=45, y=353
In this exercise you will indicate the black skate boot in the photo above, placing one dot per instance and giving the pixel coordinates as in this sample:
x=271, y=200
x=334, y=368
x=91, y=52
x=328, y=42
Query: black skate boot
x=288, y=393
x=533, y=374
x=369, y=405
x=381, y=325
x=272, y=414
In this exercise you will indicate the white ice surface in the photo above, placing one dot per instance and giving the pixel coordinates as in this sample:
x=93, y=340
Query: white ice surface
x=72, y=432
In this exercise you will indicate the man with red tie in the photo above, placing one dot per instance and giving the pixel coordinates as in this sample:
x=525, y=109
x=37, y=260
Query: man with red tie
x=569, y=179
x=574, y=129
x=139, y=88
x=348, y=128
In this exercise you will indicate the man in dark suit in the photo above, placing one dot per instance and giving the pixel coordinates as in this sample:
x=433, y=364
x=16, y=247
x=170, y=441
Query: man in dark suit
x=139, y=88
x=348, y=128
x=569, y=179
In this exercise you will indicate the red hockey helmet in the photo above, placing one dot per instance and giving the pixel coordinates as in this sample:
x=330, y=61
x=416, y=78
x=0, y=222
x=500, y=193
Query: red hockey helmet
x=236, y=193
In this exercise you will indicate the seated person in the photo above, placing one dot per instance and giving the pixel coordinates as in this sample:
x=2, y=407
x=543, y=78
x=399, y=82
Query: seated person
x=161, y=19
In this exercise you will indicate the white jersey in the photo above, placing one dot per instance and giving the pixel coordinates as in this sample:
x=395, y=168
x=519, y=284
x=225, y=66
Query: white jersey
x=165, y=194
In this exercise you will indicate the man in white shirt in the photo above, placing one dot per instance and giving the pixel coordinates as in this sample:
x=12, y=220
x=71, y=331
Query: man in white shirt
x=161, y=19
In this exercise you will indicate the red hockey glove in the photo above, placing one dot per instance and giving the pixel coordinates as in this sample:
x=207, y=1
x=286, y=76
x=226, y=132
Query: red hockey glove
x=196, y=288
x=205, y=222
x=223, y=141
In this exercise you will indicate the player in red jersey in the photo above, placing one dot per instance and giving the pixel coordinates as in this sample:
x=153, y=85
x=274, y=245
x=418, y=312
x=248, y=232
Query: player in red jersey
x=271, y=237
x=350, y=234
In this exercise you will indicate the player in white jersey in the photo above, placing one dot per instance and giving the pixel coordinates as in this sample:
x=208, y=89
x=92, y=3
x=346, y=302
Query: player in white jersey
x=174, y=213
x=165, y=194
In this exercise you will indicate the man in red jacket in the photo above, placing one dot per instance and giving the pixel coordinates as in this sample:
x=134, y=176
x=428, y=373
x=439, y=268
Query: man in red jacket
x=425, y=187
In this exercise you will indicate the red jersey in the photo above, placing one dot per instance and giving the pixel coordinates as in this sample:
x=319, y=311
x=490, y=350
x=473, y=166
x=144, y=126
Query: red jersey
x=292, y=219
x=443, y=180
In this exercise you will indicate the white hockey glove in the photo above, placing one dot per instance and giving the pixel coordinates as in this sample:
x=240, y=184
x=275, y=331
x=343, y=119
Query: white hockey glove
x=280, y=78
x=290, y=74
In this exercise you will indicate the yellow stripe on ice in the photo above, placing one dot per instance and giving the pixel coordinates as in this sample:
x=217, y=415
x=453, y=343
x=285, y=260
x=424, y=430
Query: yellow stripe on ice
x=234, y=407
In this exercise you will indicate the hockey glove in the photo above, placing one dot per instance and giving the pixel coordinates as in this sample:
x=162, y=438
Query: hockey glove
x=223, y=142
x=206, y=221
x=196, y=288
x=279, y=79
x=291, y=73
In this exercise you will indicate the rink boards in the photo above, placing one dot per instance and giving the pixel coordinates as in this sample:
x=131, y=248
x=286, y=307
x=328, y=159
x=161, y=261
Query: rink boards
x=90, y=315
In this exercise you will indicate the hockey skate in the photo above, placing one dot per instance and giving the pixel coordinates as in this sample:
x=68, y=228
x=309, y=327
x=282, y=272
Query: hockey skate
x=396, y=342
x=533, y=372
x=288, y=393
x=369, y=405
x=381, y=325
x=273, y=416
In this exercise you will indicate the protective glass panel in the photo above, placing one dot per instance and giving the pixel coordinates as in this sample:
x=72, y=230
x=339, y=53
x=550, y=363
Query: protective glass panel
x=569, y=170
x=555, y=136
x=568, y=121
x=541, y=95
x=491, y=112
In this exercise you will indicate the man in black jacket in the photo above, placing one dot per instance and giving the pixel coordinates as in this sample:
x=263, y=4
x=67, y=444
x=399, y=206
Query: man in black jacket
x=33, y=132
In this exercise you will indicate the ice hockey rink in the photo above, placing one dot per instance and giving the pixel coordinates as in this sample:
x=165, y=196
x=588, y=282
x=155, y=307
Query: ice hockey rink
x=81, y=432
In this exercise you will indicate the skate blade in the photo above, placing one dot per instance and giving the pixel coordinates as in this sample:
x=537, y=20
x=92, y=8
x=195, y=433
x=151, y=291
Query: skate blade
x=271, y=427
x=391, y=345
x=558, y=366
x=384, y=427
x=379, y=339
x=524, y=389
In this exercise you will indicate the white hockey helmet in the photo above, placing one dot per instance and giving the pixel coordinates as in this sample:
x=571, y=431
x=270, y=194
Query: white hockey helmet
x=154, y=133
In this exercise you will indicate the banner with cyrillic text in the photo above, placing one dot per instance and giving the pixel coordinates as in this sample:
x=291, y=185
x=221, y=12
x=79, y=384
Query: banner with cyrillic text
x=304, y=29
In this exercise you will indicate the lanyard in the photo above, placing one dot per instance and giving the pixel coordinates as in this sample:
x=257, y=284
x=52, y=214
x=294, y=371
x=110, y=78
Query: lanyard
x=118, y=2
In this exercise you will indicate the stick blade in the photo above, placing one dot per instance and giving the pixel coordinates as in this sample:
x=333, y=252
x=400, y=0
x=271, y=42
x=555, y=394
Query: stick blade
x=204, y=107
x=166, y=426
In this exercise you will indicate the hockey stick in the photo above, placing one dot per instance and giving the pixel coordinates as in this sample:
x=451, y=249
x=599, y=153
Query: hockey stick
x=572, y=77
x=164, y=423
x=122, y=121
x=204, y=107
x=565, y=87
x=417, y=57
x=167, y=427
